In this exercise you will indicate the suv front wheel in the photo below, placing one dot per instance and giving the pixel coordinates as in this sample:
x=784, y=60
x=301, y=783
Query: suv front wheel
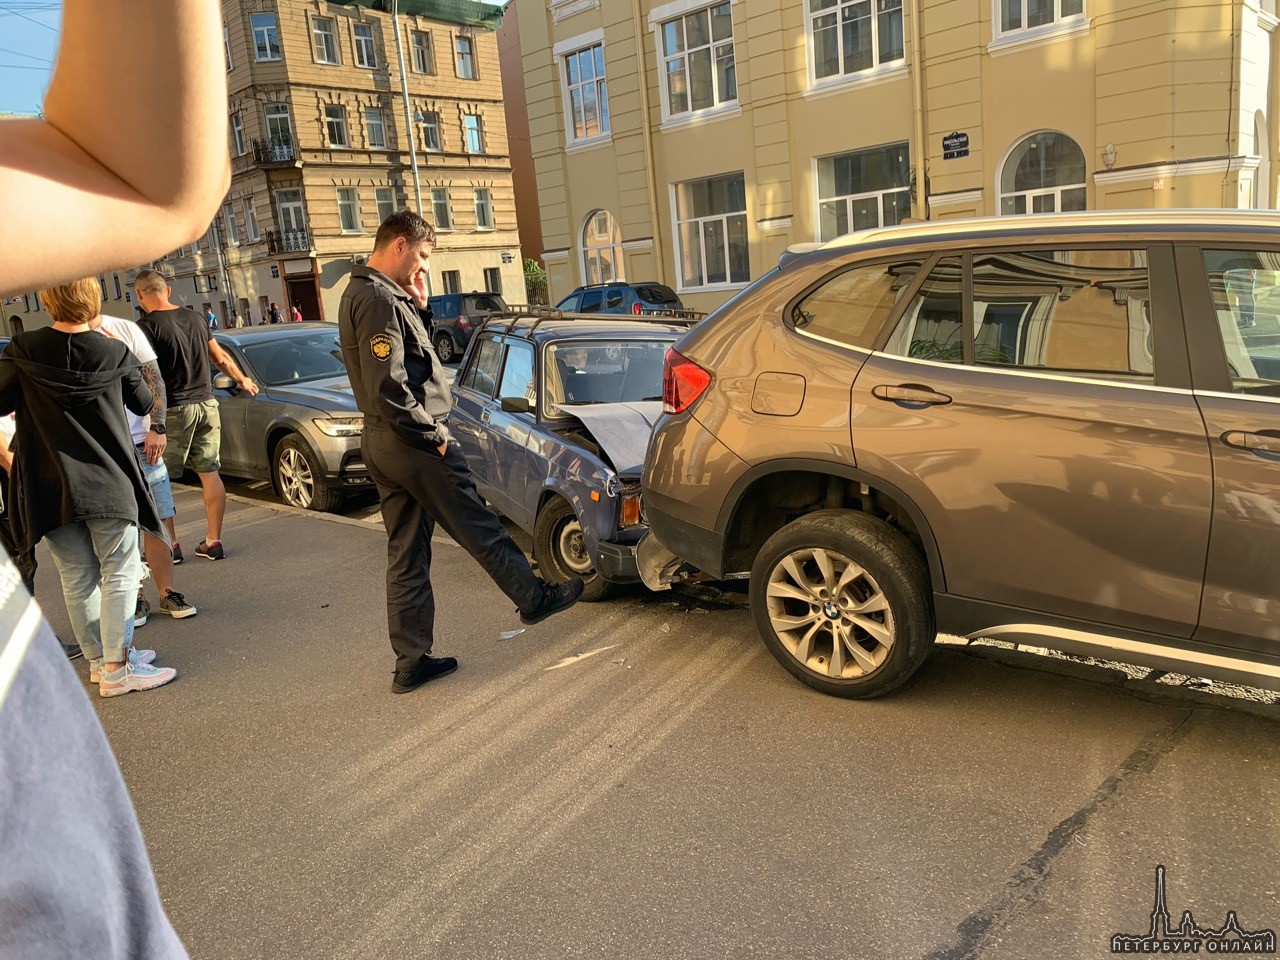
x=843, y=601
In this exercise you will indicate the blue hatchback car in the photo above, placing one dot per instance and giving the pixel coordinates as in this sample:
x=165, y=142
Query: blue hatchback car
x=553, y=414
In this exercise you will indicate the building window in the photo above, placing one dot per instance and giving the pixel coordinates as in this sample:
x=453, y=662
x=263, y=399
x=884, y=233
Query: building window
x=452, y=281
x=857, y=191
x=386, y=202
x=237, y=135
x=233, y=234
x=277, y=120
x=586, y=94
x=431, y=132
x=1026, y=14
x=850, y=36
x=484, y=209
x=251, y=221
x=465, y=47
x=711, y=231
x=697, y=60
x=493, y=280
x=1045, y=173
x=102, y=282
x=266, y=37
x=290, y=211
x=335, y=121
x=473, y=134
x=420, y=46
x=440, y=211
x=349, y=209
x=366, y=53
x=601, y=248
x=326, y=40
x=226, y=47
x=376, y=128
x=115, y=277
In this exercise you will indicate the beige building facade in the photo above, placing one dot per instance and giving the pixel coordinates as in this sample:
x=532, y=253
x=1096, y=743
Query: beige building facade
x=693, y=142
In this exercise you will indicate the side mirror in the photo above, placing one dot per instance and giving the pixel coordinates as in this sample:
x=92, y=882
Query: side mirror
x=222, y=382
x=516, y=405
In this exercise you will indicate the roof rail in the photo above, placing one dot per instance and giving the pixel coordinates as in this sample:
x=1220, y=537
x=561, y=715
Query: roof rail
x=540, y=314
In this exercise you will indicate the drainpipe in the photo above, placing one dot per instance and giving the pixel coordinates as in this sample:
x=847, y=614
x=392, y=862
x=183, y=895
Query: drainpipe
x=917, y=107
x=646, y=127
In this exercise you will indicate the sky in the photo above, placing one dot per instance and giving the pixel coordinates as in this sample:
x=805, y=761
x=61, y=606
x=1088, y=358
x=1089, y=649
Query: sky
x=28, y=42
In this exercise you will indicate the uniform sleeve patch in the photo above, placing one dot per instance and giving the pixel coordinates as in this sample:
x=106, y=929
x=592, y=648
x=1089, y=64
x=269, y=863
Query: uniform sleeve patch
x=380, y=346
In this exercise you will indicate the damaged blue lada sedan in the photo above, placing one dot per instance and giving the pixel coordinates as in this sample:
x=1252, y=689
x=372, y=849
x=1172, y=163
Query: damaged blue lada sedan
x=553, y=413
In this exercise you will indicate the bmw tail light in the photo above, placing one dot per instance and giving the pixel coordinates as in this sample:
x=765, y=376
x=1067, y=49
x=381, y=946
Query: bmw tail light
x=683, y=382
x=636, y=308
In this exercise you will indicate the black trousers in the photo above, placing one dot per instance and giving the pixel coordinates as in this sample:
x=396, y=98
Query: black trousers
x=418, y=490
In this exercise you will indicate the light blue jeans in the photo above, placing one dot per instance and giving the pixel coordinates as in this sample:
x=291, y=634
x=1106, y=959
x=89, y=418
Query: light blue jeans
x=98, y=562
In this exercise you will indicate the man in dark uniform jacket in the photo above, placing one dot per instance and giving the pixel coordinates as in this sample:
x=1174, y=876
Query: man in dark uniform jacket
x=422, y=476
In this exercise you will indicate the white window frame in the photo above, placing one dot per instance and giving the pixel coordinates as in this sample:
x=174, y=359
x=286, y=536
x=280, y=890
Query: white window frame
x=451, y=280
x=272, y=113
x=267, y=33
x=251, y=229
x=1055, y=192
x=318, y=49
x=226, y=46
x=470, y=55
x=1058, y=28
x=676, y=223
x=440, y=195
x=850, y=198
x=381, y=125
x=237, y=134
x=230, y=226
x=483, y=197
x=658, y=19
x=592, y=252
x=384, y=197
x=572, y=48
x=350, y=197
x=496, y=274
x=466, y=133
x=427, y=50
x=358, y=44
x=877, y=70
x=346, y=129
x=433, y=121
x=299, y=205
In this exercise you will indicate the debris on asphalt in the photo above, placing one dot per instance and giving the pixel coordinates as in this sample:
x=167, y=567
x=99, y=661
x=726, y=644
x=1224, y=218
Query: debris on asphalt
x=324, y=606
x=665, y=628
x=701, y=591
x=510, y=634
x=619, y=662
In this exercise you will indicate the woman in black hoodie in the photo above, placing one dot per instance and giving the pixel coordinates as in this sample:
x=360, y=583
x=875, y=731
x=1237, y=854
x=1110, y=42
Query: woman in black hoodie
x=76, y=479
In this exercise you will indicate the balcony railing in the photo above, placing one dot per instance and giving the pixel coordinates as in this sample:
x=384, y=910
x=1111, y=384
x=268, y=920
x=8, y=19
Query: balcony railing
x=289, y=241
x=276, y=150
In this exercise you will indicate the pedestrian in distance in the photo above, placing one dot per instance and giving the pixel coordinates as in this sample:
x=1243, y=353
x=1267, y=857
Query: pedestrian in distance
x=186, y=347
x=297, y=314
x=76, y=480
x=211, y=319
x=275, y=314
x=421, y=475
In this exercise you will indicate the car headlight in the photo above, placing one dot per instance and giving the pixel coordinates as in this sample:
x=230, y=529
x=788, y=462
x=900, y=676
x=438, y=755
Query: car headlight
x=630, y=510
x=340, y=426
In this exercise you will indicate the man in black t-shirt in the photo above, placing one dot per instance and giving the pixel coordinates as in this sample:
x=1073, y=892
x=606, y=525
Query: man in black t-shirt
x=185, y=346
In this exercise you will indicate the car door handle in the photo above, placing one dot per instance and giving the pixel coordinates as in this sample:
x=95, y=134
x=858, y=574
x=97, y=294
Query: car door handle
x=910, y=393
x=484, y=417
x=1263, y=444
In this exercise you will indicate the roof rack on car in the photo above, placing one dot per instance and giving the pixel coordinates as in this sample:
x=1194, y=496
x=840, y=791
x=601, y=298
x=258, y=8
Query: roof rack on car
x=539, y=314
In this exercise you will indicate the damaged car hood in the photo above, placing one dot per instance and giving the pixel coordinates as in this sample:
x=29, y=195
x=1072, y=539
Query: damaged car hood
x=622, y=430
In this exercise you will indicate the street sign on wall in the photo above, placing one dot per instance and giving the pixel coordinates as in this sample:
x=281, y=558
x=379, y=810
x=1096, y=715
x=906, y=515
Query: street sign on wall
x=955, y=145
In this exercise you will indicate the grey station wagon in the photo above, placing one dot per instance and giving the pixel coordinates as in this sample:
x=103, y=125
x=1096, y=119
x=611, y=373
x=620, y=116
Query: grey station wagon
x=1060, y=430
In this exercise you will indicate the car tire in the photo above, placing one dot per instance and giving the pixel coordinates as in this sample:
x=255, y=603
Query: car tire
x=299, y=479
x=561, y=553
x=446, y=349
x=840, y=572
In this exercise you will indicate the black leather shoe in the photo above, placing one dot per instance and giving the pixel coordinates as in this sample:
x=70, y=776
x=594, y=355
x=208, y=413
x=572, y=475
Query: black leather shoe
x=72, y=650
x=555, y=597
x=428, y=668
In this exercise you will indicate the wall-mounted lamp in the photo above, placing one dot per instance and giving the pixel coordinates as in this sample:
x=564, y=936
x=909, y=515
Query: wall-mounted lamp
x=1109, y=155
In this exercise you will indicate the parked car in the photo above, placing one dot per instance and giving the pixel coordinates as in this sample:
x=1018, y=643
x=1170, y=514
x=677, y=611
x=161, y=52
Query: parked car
x=302, y=431
x=1058, y=430
x=553, y=416
x=456, y=316
x=633, y=298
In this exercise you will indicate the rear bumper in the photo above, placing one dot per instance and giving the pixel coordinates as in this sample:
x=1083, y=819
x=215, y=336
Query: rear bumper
x=697, y=546
x=617, y=561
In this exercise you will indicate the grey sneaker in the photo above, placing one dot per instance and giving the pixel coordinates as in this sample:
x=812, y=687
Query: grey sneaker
x=136, y=656
x=175, y=605
x=133, y=677
x=140, y=613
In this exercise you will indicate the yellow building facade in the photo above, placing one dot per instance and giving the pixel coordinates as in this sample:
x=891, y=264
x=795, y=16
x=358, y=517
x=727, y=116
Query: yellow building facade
x=692, y=142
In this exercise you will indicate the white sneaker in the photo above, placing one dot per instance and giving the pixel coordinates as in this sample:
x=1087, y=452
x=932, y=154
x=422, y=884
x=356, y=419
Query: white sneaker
x=133, y=677
x=136, y=657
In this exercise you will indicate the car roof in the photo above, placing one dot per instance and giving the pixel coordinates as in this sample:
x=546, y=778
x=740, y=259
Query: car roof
x=605, y=327
x=273, y=331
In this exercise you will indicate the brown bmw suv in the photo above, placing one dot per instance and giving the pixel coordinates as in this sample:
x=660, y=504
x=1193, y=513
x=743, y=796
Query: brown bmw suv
x=1060, y=430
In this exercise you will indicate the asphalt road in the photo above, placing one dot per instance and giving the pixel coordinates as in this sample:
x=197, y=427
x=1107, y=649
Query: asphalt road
x=639, y=779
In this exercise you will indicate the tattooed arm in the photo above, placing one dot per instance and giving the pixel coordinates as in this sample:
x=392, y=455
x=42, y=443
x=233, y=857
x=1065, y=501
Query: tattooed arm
x=155, y=443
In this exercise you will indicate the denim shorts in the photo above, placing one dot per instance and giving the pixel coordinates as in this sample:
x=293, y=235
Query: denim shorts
x=158, y=479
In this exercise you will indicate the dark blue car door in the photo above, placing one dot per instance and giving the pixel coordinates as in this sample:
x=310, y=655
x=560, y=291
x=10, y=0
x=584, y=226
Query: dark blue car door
x=510, y=461
x=472, y=397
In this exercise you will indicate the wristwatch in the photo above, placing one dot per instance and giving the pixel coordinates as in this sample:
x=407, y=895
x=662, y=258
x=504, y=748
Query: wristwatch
x=158, y=428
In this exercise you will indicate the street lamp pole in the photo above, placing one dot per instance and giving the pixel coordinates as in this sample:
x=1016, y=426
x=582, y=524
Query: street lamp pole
x=408, y=116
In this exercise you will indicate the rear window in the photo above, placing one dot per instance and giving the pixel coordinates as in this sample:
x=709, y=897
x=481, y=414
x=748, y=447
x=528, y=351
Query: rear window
x=486, y=303
x=658, y=294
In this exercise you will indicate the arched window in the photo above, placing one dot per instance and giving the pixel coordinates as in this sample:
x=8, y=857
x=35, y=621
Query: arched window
x=601, y=249
x=1043, y=174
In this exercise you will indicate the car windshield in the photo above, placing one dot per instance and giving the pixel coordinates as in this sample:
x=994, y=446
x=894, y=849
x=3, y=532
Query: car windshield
x=602, y=371
x=297, y=358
